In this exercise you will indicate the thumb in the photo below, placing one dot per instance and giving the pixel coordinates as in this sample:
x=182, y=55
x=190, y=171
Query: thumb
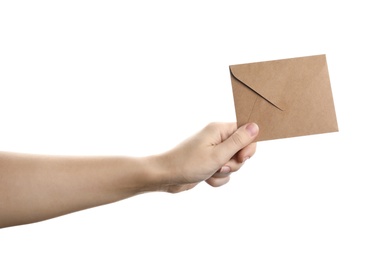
x=242, y=137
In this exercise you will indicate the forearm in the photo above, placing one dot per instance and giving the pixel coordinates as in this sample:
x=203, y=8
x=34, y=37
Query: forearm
x=35, y=188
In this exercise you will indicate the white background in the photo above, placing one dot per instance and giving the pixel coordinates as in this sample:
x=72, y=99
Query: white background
x=119, y=78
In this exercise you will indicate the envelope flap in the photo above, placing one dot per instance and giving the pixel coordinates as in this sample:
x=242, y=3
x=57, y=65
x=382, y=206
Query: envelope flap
x=286, y=98
x=267, y=79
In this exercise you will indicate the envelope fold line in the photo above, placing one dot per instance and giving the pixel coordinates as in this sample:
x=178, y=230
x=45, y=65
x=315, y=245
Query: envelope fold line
x=252, y=108
x=267, y=100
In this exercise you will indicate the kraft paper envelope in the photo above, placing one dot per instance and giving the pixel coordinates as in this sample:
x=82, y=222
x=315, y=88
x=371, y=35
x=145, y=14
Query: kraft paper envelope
x=286, y=98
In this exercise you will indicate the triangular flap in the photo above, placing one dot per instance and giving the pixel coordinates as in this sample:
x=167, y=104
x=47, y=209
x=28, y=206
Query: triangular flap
x=274, y=80
x=250, y=76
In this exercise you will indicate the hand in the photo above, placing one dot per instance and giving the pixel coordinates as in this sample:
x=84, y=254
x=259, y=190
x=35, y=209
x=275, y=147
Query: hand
x=37, y=187
x=211, y=156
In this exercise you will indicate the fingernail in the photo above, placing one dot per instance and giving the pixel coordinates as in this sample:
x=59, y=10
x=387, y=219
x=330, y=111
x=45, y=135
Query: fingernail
x=245, y=159
x=225, y=169
x=252, y=129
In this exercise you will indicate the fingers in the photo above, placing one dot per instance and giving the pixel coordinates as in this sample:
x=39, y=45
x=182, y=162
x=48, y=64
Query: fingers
x=225, y=171
x=238, y=147
x=246, y=153
x=237, y=141
x=236, y=162
x=217, y=182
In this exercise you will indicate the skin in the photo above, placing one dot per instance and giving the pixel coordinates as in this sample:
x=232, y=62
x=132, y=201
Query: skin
x=39, y=187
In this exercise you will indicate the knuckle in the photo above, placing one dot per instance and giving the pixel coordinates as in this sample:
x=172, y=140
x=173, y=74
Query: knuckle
x=212, y=126
x=238, y=140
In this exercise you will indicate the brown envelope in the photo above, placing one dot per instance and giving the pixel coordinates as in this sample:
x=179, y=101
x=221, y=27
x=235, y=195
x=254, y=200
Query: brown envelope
x=286, y=98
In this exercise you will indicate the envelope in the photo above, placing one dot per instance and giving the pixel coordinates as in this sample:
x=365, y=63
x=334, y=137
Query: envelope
x=286, y=98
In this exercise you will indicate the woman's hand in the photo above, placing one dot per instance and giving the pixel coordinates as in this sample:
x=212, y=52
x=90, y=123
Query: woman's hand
x=211, y=156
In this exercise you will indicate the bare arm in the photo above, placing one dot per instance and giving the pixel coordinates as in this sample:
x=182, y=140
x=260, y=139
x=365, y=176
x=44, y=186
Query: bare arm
x=34, y=188
x=37, y=187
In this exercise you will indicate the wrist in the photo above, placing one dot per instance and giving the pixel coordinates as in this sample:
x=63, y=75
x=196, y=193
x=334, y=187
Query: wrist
x=145, y=174
x=157, y=173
